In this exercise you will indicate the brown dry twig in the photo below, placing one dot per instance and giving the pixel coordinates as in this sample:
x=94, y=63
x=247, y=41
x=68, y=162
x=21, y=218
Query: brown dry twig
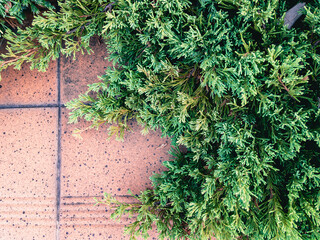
x=271, y=193
x=285, y=87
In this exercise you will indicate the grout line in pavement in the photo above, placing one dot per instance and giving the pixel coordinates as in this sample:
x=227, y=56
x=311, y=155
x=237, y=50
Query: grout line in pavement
x=13, y=106
x=58, y=179
x=98, y=196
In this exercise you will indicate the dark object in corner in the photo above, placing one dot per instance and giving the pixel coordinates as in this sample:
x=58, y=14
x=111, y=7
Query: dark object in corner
x=293, y=14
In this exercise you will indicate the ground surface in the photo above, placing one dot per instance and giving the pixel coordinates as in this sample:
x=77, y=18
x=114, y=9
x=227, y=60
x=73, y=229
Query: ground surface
x=48, y=178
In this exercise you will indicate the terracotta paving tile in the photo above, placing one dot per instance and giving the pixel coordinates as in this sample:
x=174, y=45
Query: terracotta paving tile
x=89, y=167
x=94, y=165
x=28, y=142
x=82, y=220
x=28, y=87
x=77, y=74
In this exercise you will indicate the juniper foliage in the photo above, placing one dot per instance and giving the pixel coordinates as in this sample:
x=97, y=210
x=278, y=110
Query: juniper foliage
x=66, y=31
x=11, y=11
x=226, y=79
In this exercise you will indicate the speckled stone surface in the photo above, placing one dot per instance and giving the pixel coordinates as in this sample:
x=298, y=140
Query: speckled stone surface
x=28, y=87
x=77, y=74
x=28, y=173
x=95, y=165
x=49, y=178
x=82, y=220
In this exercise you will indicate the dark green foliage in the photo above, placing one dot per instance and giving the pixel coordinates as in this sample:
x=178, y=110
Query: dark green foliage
x=226, y=79
x=241, y=91
x=16, y=10
x=52, y=33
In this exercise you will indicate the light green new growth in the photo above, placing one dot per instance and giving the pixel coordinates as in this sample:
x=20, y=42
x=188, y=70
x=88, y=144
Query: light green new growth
x=224, y=78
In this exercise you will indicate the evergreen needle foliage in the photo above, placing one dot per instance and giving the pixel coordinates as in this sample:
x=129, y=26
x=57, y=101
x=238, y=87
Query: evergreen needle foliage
x=241, y=91
x=225, y=78
x=12, y=13
x=66, y=31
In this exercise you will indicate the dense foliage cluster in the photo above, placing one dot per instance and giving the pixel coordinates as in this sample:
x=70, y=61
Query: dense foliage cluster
x=225, y=78
x=53, y=32
x=12, y=13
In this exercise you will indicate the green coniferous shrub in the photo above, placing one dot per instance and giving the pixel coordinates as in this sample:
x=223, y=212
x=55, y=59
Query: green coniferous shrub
x=241, y=91
x=226, y=78
x=13, y=13
x=66, y=31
